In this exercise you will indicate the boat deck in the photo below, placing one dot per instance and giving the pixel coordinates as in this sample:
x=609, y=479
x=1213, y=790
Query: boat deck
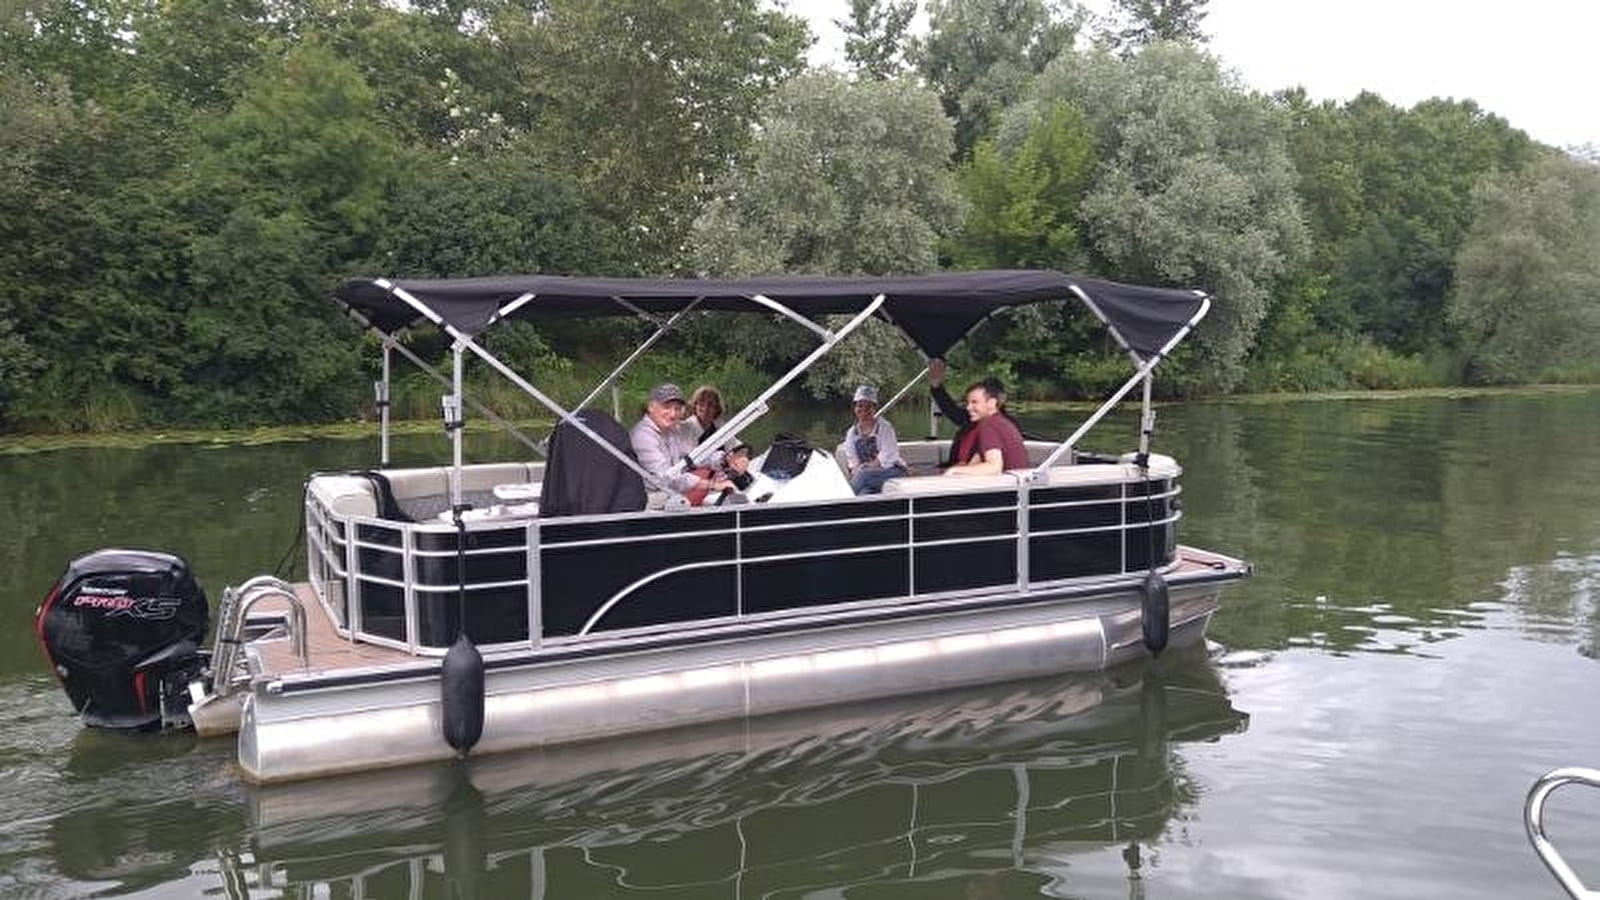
x=331, y=651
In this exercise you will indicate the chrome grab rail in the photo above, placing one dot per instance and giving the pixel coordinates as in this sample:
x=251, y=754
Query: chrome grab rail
x=236, y=604
x=1533, y=820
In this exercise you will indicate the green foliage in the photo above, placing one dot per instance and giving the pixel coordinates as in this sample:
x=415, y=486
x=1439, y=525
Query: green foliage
x=845, y=178
x=487, y=212
x=982, y=56
x=1527, y=299
x=1194, y=187
x=182, y=183
x=875, y=36
x=1388, y=196
x=646, y=102
x=288, y=188
x=1146, y=22
x=90, y=256
x=1023, y=205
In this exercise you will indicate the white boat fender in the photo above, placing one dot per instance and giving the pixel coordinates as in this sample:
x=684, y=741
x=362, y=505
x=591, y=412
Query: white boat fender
x=1156, y=610
x=461, y=695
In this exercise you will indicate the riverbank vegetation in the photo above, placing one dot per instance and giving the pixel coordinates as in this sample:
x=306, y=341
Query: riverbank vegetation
x=182, y=184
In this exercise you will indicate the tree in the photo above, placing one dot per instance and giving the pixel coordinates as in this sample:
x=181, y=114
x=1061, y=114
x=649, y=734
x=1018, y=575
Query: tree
x=982, y=55
x=1527, y=288
x=1388, y=193
x=1024, y=189
x=875, y=35
x=1150, y=21
x=29, y=117
x=1023, y=202
x=647, y=103
x=845, y=178
x=91, y=253
x=1194, y=188
x=488, y=211
x=82, y=44
x=287, y=190
x=200, y=52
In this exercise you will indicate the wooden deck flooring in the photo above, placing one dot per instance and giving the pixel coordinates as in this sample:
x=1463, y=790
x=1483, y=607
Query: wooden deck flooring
x=329, y=650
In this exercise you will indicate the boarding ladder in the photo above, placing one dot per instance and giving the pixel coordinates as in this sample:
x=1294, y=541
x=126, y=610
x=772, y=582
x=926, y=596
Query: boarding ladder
x=1533, y=820
x=227, y=665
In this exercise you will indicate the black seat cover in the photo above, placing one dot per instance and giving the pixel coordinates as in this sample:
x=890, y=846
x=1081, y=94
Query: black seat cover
x=581, y=478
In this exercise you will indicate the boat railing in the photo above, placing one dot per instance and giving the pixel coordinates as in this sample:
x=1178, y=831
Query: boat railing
x=235, y=617
x=1533, y=821
x=394, y=583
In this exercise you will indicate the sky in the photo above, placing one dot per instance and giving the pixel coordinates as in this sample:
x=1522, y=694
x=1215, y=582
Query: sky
x=1535, y=63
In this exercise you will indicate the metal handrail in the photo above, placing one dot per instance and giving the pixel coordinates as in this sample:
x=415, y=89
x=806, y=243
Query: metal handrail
x=1533, y=820
x=404, y=547
x=236, y=604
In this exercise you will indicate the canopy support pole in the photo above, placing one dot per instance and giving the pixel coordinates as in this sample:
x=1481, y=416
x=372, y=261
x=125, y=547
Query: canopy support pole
x=662, y=328
x=788, y=313
x=382, y=399
x=454, y=422
x=389, y=341
x=884, y=409
x=464, y=341
x=564, y=414
x=1147, y=425
x=1142, y=373
x=758, y=407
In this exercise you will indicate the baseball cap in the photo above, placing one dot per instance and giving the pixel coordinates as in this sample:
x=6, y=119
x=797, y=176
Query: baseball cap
x=666, y=393
x=867, y=393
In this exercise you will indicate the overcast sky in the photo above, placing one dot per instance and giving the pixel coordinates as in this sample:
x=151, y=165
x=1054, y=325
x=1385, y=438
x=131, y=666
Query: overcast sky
x=1534, y=62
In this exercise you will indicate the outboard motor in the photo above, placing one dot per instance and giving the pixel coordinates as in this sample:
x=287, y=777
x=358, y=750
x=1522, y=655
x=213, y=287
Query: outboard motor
x=122, y=630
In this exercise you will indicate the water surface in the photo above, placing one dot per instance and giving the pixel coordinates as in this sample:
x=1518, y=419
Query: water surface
x=1417, y=645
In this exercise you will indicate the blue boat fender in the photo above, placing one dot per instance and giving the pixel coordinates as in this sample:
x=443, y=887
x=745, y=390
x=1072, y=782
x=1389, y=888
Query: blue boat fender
x=1156, y=612
x=461, y=695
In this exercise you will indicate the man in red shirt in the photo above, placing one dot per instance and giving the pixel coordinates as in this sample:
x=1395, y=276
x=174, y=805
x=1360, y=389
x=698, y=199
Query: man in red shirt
x=994, y=444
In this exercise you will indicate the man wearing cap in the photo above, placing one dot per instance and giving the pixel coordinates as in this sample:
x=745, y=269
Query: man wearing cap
x=660, y=443
x=871, y=452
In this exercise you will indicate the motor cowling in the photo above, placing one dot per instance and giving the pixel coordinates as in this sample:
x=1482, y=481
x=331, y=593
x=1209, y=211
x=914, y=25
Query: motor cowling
x=122, y=630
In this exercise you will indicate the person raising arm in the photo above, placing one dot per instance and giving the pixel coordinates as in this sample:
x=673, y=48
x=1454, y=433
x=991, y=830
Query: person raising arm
x=993, y=443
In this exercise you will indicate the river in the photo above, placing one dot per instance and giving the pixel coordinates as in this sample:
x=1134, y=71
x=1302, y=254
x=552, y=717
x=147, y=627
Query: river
x=1418, y=644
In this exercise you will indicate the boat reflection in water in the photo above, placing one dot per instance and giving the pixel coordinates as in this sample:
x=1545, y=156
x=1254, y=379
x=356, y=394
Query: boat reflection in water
x=952, y=792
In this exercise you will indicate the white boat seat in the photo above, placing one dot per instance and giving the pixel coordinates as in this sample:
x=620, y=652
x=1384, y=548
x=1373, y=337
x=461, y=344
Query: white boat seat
x=421, y=492
x=943, y=484
x=345, y=495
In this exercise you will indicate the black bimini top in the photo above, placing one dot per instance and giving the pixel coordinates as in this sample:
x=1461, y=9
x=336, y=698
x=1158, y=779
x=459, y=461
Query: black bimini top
x=935, y=311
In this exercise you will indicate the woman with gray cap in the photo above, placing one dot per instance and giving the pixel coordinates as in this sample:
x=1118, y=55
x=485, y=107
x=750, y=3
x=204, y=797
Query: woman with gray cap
x=871, y=452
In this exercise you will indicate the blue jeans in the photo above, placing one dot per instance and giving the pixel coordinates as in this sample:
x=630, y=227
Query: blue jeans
x=869, y=480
